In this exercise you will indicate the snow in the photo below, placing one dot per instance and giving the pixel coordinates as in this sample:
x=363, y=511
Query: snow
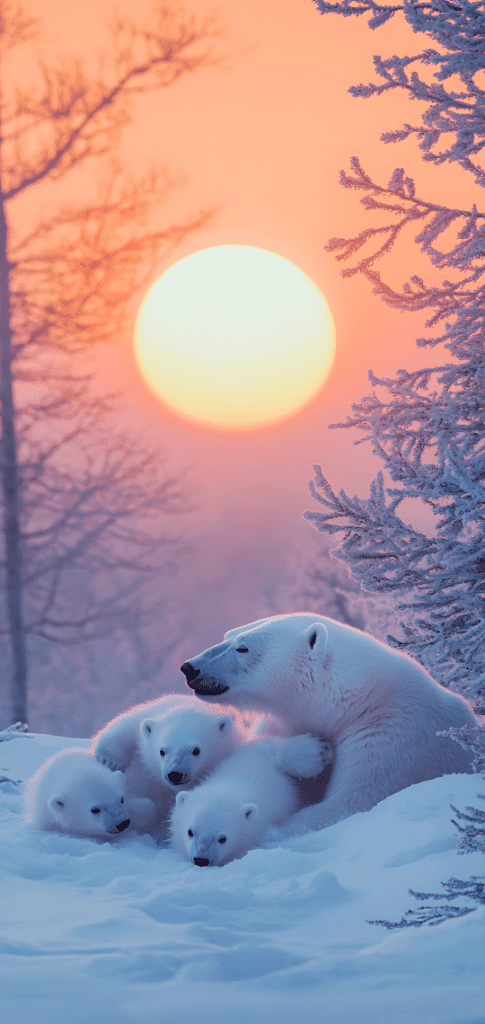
x=126, y=933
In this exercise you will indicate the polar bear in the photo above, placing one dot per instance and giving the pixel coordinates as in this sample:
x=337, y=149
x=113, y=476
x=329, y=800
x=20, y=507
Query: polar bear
x=161, y=746
x=73, y=793
x=228, y=813
x=115, y=744
x=379, y=708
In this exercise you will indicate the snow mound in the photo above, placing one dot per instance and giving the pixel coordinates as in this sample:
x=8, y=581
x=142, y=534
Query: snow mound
x=126, y=932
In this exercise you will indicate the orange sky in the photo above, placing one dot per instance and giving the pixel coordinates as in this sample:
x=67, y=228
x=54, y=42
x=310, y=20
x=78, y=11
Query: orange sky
x=262, y=138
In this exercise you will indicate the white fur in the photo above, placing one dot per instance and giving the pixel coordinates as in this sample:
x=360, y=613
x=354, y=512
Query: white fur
x=177, y=725
x=65, y=791
x=381, y=710
x=115, y=744
x=229, y=812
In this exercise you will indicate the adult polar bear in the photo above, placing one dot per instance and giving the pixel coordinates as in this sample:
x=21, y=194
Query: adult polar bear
x=379, y=708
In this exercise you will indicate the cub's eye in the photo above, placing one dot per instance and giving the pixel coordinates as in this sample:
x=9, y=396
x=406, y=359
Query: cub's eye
x=162, y=753
x=95, y=810
x=189, y=832
x=196, y=751
x=222, y=839
x=242, y=650
x=122, y=800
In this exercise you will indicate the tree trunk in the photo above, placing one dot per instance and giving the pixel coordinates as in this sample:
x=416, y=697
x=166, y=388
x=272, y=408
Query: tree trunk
x=11, y=495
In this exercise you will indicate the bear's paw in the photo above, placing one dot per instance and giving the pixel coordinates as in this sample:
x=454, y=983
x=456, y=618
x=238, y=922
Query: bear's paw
x=305, y=756
x=108, y=755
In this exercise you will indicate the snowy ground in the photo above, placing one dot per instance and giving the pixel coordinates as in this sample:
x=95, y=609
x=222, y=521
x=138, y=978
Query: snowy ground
x=128, y=933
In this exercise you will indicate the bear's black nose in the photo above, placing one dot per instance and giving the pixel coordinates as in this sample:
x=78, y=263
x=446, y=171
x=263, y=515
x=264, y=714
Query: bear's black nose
x=122, y=825
x=189, y=671
x=201, y=862
x=176, y=778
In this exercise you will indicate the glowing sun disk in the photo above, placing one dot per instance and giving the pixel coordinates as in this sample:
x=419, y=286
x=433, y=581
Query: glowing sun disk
x=234, y=337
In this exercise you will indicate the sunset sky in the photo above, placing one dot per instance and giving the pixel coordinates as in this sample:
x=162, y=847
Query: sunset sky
x=259, y=138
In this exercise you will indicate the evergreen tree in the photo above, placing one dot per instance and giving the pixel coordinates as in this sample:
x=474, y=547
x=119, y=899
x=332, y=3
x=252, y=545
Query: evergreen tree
x=427, y=426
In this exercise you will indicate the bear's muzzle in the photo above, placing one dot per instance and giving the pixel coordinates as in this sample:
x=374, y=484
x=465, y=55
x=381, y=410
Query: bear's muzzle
x=196, y=682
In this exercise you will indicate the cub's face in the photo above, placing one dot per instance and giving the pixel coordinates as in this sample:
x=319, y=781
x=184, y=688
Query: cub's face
x=215, y=834
x=253, y=665
x=183, y=745
x=91, y=807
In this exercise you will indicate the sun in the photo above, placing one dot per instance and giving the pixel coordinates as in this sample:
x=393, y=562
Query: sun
x=234, y=337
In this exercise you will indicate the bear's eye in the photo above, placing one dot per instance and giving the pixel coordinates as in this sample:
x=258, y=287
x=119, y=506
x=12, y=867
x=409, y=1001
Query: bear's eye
x=196, y=751
x=162, y=753
x=222, y=839
x=122, y=800
x=189, y=832
x=95, y=810
x=242, y=650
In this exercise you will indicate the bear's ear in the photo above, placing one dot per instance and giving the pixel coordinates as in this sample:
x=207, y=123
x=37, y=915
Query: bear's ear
x=316, y=637
x=55, y=803
x=224, y=724
x=250, y=811
x=146, y=727
x=181, y=797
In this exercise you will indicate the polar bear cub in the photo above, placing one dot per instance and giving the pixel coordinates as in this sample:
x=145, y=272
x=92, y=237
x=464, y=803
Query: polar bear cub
x=73, y=793
x=228, y=813
x=162, y=746
x=116, y=743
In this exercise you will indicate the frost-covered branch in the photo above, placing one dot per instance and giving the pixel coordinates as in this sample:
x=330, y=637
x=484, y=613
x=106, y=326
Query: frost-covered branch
x=472, y=835
x=459, y=116
x=470, y=738
x=473, y=889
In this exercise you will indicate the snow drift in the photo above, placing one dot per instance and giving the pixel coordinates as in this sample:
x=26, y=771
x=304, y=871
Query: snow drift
x=99, y=933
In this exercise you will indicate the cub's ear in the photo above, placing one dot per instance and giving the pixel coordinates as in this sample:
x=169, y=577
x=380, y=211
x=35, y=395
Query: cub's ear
x=147, y=726
x=316, y=637
x=55, y=803
x=250, y=811
x=181, y=797
x=224, y=724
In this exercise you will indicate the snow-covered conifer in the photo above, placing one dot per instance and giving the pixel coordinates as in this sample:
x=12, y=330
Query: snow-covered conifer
x=427, y=426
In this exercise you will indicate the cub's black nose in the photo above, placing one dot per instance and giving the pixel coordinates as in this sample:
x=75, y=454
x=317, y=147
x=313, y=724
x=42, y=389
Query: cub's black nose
x=201, y=862
x=123, y=824
x=189, y=671
x=176, y=778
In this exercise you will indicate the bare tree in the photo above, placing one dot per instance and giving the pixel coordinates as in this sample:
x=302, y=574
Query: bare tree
x=84, y=512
